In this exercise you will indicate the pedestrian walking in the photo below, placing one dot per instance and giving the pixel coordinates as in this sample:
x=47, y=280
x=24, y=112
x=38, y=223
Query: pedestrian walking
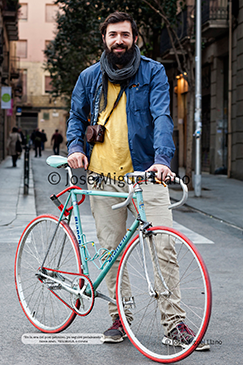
x=23, y=143
x=14, y=145
x=56, y=139
x=127, y=96
x=43, y=139
x=23, y=138
x=36, y=138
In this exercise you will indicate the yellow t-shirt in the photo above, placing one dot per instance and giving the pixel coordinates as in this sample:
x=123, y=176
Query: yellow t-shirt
x=113, y=155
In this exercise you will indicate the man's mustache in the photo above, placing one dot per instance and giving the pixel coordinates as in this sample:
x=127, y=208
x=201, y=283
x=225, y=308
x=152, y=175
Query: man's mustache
x=119, y=46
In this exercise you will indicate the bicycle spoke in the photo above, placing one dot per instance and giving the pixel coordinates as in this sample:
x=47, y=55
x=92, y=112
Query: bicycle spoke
x=42, y=307
x=178, y=265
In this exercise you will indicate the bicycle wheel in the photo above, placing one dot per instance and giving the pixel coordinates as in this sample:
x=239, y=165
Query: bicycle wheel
x=149, y=316
x=37, y=294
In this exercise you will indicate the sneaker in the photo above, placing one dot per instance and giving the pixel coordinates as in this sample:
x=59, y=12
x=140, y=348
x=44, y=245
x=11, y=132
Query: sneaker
x=115, y=333
x=182, y=336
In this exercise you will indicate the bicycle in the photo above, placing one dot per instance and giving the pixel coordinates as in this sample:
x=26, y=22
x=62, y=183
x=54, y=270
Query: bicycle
x=53, y=280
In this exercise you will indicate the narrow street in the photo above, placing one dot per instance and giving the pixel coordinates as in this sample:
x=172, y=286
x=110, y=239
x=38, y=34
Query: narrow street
x=220, y=245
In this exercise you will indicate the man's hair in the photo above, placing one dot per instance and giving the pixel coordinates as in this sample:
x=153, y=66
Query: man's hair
x=118, y=17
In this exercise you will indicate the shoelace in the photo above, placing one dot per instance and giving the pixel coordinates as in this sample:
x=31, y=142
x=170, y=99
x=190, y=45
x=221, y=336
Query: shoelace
x=183, y=331
x=116, y=324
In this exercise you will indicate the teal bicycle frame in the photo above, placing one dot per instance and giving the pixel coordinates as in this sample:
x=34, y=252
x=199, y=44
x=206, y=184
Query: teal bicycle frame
x=81, y=237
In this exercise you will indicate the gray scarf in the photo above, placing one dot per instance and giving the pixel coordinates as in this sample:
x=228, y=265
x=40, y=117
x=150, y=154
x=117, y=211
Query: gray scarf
x=119, y=76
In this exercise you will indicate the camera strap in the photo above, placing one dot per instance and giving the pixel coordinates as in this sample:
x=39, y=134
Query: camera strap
x=116, y=102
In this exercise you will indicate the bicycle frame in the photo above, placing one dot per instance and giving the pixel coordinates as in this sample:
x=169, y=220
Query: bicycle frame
x=80, y=235
x=134, y=193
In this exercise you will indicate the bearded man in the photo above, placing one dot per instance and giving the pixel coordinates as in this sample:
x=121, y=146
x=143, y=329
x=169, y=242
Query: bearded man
x=126, y=95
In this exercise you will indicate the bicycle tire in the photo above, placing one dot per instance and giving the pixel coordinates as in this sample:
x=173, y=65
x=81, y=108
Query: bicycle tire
x=37, y=298
x=146, y=330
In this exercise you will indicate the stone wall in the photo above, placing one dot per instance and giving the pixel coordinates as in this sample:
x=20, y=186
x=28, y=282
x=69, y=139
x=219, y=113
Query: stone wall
x=237, y=99
x=51, y=113
x=50, y=120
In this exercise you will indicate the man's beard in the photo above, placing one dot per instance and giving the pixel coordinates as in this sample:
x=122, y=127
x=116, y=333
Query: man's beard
x=120, y=60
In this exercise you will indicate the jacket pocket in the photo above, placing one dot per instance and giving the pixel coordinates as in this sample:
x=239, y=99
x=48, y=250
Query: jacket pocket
x=140, y=97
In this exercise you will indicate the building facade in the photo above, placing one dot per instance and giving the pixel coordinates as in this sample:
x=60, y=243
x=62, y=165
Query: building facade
x=9, y=65
x=222, y=85
x=36, y=107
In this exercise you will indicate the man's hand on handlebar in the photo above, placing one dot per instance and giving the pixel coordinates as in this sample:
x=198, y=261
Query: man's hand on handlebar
x=78, y=160
x=162, y=172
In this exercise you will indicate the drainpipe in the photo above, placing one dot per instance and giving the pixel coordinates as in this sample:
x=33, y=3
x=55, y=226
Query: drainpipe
x=198, y=101
x=230, y=93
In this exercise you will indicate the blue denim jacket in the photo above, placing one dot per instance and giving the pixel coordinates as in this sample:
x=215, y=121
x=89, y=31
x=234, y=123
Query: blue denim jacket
x=150, y=125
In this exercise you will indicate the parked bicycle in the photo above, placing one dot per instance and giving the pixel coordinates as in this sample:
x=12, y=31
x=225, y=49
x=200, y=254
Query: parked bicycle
x=53, y=281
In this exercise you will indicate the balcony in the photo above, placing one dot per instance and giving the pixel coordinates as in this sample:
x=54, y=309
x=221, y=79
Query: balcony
x=10, y=18
x=214, y=24
x=5, y=65
x=214, y=18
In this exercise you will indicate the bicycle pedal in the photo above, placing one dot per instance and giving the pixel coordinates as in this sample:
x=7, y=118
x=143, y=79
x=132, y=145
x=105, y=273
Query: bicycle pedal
x=166, y=294
x=129, y=303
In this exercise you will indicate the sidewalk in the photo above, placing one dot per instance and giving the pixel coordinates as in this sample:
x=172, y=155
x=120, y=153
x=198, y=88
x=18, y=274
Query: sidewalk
x=17, y=209
x=221, y=198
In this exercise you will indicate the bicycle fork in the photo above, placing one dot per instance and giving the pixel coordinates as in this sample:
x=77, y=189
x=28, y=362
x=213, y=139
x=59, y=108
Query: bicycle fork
x=155, y=261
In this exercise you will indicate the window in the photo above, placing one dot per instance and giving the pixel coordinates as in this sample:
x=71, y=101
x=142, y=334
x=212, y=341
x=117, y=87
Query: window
x=51, y=10
x=46, y=116
x=23, y=11
x=21, y=49
x=48, y=86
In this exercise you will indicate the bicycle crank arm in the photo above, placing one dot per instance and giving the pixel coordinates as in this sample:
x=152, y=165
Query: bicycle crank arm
x=105, y=297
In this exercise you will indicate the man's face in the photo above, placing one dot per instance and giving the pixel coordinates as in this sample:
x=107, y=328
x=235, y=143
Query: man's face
x=119, y=43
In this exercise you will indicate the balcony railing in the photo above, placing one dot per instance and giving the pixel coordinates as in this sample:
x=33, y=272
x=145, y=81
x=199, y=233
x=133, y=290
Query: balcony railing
x=214, y=18
x=214, y=23
x=214, y=10
x=10, y=5
x=10, y=18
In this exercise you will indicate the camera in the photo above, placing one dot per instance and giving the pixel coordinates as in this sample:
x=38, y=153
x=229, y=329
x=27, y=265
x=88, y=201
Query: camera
x=95, y=133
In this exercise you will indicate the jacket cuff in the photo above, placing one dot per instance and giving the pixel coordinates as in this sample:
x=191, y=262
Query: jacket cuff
x=75, y=148
x=162, y=160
